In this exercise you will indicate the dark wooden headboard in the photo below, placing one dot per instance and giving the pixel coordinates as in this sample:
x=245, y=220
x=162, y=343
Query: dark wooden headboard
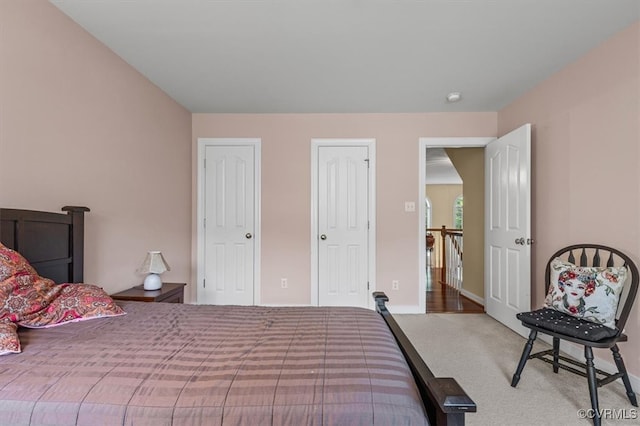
x=53, y=243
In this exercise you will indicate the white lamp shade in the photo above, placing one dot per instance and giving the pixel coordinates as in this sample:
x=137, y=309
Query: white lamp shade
x=154, y=263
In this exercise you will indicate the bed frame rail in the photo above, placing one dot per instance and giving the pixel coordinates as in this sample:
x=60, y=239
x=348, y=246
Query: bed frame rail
x=444, y=400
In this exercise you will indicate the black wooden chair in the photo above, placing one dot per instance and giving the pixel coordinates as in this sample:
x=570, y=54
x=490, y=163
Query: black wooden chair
x=570, y=328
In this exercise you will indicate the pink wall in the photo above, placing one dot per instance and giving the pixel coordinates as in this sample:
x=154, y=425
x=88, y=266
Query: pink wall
x=79, y=126
x=586, y=151
x=286, y=188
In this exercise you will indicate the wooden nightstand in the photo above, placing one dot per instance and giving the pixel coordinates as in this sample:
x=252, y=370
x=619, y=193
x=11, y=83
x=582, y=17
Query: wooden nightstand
x=169, y=293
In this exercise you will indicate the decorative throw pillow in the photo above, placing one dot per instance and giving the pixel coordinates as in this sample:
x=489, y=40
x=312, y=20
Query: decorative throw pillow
x=590, y=293
x=74, y=302
x=29, y=300
x=9, y=342
x=12, y=263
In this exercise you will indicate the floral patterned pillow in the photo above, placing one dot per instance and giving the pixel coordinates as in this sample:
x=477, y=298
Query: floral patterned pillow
x=29, y=300
x=12, y=264
x=590, y=293
x=9, y=342
x=74, y=302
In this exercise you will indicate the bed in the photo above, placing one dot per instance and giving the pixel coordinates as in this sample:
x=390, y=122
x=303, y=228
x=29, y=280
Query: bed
x=178, y=364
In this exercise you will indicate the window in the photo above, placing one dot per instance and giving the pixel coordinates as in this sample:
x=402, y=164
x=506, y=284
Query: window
x=457, y=212
x=427, y=212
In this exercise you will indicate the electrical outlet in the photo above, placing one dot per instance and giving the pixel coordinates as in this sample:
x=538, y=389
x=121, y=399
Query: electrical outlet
x=284, y=283
x=395, y=285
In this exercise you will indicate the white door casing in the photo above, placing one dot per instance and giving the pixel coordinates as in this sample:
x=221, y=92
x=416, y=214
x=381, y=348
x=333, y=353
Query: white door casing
x=524, y=282
x=508, y=227
x=228, y=221
x=342, y=216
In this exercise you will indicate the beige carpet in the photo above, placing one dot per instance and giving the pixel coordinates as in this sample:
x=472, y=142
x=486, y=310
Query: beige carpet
x=482, y=354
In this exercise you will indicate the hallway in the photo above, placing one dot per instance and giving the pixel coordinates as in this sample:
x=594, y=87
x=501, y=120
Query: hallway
x=442, y=298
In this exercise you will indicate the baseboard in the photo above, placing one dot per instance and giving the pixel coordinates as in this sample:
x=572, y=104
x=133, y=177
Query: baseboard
x=479, y=300
x=404, y=309
x=394, y=309
x=284, y=305
x=577, y=352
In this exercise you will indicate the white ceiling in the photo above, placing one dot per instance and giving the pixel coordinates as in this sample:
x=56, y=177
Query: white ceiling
x=439, y=169
x=338, y=56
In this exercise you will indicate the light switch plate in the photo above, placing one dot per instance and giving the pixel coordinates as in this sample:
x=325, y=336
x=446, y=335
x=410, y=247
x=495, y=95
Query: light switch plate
x=409, y=206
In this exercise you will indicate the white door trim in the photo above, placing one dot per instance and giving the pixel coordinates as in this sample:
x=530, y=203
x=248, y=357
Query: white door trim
x=202, y=144
x=423, y=144
x=371, y=144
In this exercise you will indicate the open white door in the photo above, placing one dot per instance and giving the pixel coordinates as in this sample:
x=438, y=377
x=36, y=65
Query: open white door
x=508, y=227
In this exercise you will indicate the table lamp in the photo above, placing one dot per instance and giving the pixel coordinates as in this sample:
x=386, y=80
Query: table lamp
x=153, y=265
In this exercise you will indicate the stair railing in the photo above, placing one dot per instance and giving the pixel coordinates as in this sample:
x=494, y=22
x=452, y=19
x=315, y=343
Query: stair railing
x=444, y=251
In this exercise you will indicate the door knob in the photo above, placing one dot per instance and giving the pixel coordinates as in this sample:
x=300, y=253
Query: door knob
x=520, y=241
x=248, y=235
x=323, y=237
x=530, y=241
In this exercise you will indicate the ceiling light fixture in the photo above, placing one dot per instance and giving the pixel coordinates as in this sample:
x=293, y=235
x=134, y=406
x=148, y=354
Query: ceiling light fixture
x=454, y=97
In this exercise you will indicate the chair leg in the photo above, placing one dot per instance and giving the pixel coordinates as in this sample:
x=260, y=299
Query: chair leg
x=593, y=386
x=523, y=359
x=556, y=354
x=625, y=377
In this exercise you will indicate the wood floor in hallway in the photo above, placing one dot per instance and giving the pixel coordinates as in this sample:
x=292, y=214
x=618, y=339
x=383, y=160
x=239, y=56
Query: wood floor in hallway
x=442, y=298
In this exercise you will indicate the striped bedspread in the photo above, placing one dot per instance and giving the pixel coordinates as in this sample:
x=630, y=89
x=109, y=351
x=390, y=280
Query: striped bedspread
x=173, y=364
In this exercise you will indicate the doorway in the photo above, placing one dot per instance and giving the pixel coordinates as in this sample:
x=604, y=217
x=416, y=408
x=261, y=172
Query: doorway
x=443, y=295
x=453, y=186
x=506, y=283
